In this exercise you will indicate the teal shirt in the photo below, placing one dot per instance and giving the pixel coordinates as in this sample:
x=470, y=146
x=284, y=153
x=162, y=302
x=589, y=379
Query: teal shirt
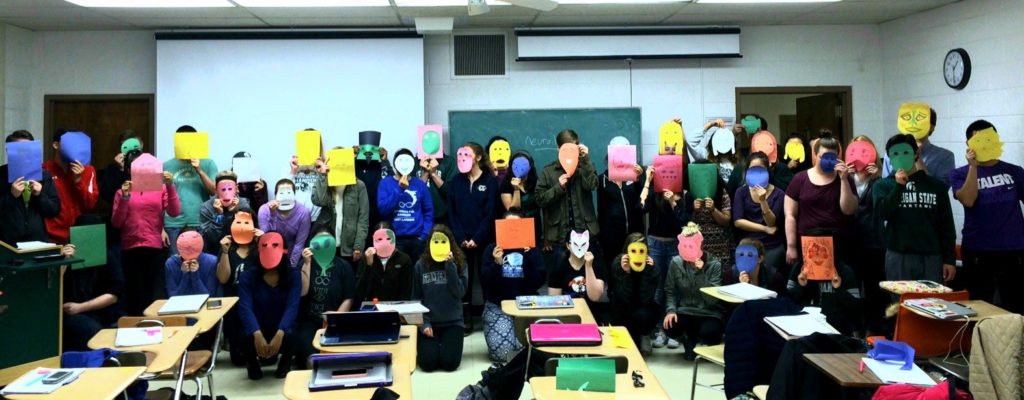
x=191, y=192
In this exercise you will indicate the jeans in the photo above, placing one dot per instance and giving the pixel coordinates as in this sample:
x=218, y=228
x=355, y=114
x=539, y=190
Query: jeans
x=172, y=236
x=662, y=251
x=992, y=272
x=441, y=352
x=412, y=246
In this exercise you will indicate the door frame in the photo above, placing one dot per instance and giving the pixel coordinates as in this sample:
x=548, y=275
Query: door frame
x=50, y=99
x=845, y=91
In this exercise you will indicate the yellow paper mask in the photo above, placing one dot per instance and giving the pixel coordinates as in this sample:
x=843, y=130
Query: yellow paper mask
x=637, y=256
x=795, y=151
x=915, y=119
x=986, y=145
x=439, y=247
x=671, y=142
x=500, y=152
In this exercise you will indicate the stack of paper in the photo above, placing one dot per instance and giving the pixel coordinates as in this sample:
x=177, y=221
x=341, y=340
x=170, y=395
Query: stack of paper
x=797, y=326
x=403, y=308
x=128, y=337
x=183, y=304
x=890, y=372
x=35, y=245
x=746, y=291
x=32, y=382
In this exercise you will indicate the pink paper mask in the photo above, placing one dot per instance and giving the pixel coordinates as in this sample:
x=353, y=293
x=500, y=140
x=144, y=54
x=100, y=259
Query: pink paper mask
x=668, y=174
x=690, y=247
x=190, y=245
x=860, y=154
x=465, y=158
x=271, y=250
x=384, y=242
x=226, y=190
x=764, y=141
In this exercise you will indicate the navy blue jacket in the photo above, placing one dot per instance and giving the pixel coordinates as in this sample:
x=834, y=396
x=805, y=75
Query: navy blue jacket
x=471, y=208
x=266, y=308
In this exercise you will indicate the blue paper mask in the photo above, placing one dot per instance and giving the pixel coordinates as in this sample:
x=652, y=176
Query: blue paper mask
x=828, y=162
x=520, y=167
x=746, y=258
x=757, y=176
x=24, y=160
x=76, y=146
x=887, y=350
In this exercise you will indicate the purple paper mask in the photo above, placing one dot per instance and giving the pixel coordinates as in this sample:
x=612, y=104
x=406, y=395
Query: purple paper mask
x=757, y=176
x=465, y=158
x=520, y=167
x=746, y=258
x=828, y=162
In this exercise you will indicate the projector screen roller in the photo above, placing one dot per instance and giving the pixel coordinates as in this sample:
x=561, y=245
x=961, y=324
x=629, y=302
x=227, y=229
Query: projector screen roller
x=253, y=95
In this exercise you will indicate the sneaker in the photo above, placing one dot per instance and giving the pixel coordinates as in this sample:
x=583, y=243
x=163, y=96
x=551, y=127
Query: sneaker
x=659, y=340
x=672, y=343
x=645, y=346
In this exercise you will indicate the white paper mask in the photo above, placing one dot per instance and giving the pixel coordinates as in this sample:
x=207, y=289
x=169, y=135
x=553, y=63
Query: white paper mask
x=723, y=141
x=579, y=243
x=619, y=141
x=404, y=164
x=286, y=197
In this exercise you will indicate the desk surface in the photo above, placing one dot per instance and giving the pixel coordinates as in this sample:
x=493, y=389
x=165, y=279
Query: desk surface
x=167, y=353
x=844, y=369
x=296, y=387
x=94, y=383
x=982, y=307
x=206, y=319
x=403, y=352
x=509, y=307
x=714, y=292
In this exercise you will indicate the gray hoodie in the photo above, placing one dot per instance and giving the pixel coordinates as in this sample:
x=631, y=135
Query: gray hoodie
x=440, y=291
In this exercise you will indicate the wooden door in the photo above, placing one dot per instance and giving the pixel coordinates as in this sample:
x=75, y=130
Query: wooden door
x=823, y=111
x=788, y=125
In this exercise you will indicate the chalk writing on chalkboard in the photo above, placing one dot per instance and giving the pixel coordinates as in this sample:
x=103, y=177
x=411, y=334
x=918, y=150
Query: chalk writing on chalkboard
x=536, y=143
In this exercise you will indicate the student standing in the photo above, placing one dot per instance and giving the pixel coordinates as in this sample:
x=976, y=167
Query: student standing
x=268, y=303
x=77, y=188
x=472, y=196
x=405, y=203
x=439, y=282
x=194, y=181
x=346, y=210
x=757, y=213
x=568, y=201
x=631, y=291
x=993, y=233
x=435, y=173
x=111, y=178
x=24, y=215
x=690, y=314
x=237, y=253
x=714, y=217
x=385, y=273
x=287, y=217
x=326, y=287
x=191, y=271
x=217, y=214
x=519, y=193
x=869, y=264
x=619, y=210
x=371, y=171
x=936, y=161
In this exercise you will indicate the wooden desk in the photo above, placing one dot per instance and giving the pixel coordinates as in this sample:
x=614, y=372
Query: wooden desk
x=167, y=353
x=94, y=384
x=844, y=369
x=982, y=307
x=714, y=292
x=761, y=391
x=206, y=319
x=403, y=352
x=580, y=308
x=296, y=387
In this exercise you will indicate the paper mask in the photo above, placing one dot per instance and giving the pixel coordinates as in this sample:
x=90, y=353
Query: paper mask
x=703, y=180
x=887, y=350
x=286, y=198
x=690, y=247
x=271, y=249
x=861, y=153
x=757, y=177
x=341, y=167
x=569, y=157
x=25, y=160
x=307, y=147
x=795, y=151
x=465, y=159
x=986, y=145
x=637, y=256
x=189, y=145
x=818, y=257
x=440, y=248
x=515, y=233
x=76, y=146
x=902, y=156
x=579, y=243
x=619, y=141
x=190, y=245
x=147, y=173
x=430, y=141
x=404, y=164
x=384, y=242
x=668, y=174
x=130, y=144
x=520, y=167
x=499, y=153
x=246, y=168
x=242, y=228
x=915, y=119
x=226, y=191
x=752, y=124
x=723, y=141
x=671, y=139
x=765, y=143
x=622, y=163
x=828, y=162
x=746, y=258
x=369, y=146
x=323, y=247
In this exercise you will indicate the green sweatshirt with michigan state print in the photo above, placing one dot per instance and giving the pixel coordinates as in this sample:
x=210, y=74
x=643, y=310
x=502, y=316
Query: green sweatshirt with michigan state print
x=918, y=218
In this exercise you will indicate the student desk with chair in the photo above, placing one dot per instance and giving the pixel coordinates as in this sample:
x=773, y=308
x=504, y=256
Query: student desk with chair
x=206, y=319
x=579, y=308
x=714, y=292
x=403, y=352
x=94, y=384
x=296, y=386
x=845, y=370
x=166, y=354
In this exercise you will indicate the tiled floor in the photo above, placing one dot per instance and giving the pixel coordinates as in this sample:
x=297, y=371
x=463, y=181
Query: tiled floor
x=672, y=371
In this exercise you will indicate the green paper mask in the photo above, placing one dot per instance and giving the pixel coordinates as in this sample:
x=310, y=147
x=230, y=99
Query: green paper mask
x=130, y=144
x=374, y=152
x=431, y=142
x=752, y=124
x=323, y=247
x=902, y=157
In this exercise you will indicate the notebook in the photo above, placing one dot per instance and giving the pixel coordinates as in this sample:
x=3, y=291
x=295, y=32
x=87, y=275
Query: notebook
x=38, y=381
x=941, y=309
x=544, y=302
x=184, y=304
x=361, y=327
x=565, y=335
x=746, y=291
x=798, y=326
x=890, y=372
x=128, y=337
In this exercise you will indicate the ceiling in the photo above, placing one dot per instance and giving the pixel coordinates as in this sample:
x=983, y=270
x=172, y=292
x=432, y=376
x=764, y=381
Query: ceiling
x=48, y=15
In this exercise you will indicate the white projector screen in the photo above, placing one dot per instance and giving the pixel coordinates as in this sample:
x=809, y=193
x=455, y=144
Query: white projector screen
x=253, y=95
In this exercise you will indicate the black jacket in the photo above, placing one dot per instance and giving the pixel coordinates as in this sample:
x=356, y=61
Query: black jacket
x=619, y=212
x=392, y=284
x=21, y=223
x=795, y=378
x=752, y=347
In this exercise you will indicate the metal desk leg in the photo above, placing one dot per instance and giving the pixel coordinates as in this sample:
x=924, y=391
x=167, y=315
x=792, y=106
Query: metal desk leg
x=181, y=376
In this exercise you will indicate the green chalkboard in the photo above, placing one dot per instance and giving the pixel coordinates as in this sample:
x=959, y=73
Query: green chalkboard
x=535, y=130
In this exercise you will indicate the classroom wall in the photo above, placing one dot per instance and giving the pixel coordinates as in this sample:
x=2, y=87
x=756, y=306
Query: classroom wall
x=770, y=107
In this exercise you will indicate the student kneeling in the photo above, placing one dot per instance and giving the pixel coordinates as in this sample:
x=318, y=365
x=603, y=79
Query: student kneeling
x=687, y=310
x=328, y=284
x=268, y=301
x=439, y=281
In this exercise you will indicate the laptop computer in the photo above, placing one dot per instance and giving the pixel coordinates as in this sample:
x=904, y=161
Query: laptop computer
x=941, y=309
x=361, y=327
x=544, y=302
x=565, y=335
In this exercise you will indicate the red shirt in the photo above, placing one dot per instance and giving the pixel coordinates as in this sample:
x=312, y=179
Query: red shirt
x=75, y=198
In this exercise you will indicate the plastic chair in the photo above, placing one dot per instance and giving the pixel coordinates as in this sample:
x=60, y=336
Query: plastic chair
x=198, y=364
x=714, y=354
x=930, y=337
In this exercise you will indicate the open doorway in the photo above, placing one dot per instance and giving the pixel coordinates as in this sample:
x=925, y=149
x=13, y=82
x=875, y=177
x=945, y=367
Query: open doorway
x=803, y=111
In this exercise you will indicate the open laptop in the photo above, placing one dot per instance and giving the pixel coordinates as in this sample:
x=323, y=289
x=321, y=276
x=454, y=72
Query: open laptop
x=361, y=327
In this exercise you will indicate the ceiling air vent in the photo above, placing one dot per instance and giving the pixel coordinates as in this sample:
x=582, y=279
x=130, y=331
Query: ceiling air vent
x=479, y=55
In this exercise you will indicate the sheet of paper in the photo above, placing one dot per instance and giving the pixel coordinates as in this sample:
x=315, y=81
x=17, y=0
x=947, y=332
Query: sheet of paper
x=986, y=145
x=342, y=167
x=76, y=146
x=24, y=160
x=668, y=174
x=247, y=169
x=129, y=337
x=147, y=174
x=307, y=147
x=515, y=233
x=622, y=163
x=819, y=260
x=620, y=337
x=746, y=291
x=670, y=139
x=890, y=372
x=801, y=325
x=430, y=140
x=90, y=244
x=34, y=245
x=403, y=308
x=189, y=145
x=703, y=180
x=32, y=381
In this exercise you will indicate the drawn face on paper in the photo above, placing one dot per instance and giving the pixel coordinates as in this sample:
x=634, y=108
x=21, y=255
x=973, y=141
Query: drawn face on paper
x=765, y=142
x=569, y=157
x=130, y=144
x=902, y=157
x=828, y=162
x=986, y=145
x=915, y=119
x=637, y=252
x=440, y=248
x=668, y=173
x=384, y=242
x=861, y=153
x=404, y=164
x=818, y=253
x=190, y=245
x=520, y=167
x=746, y=258
x=271, y=250
x=431, y=142
x=757, y=176
x=670, y=139
x=512, y=265
x=227, y=190
x=690, y=247
x=242, y=228
x=323, y=246
x=500, y=152
x=465, y=159
x=723, y=142
x=795, y=150
x=579, y=243
x=752, y=124
x=286, y=197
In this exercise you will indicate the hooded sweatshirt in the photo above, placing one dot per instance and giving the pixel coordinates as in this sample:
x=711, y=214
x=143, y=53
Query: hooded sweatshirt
x=439, y=286
x=75, y=199
x=410, y=210
x=140, y=216
x=918, y=216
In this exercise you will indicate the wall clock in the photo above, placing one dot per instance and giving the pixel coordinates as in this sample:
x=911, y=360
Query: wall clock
x=956, y=68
